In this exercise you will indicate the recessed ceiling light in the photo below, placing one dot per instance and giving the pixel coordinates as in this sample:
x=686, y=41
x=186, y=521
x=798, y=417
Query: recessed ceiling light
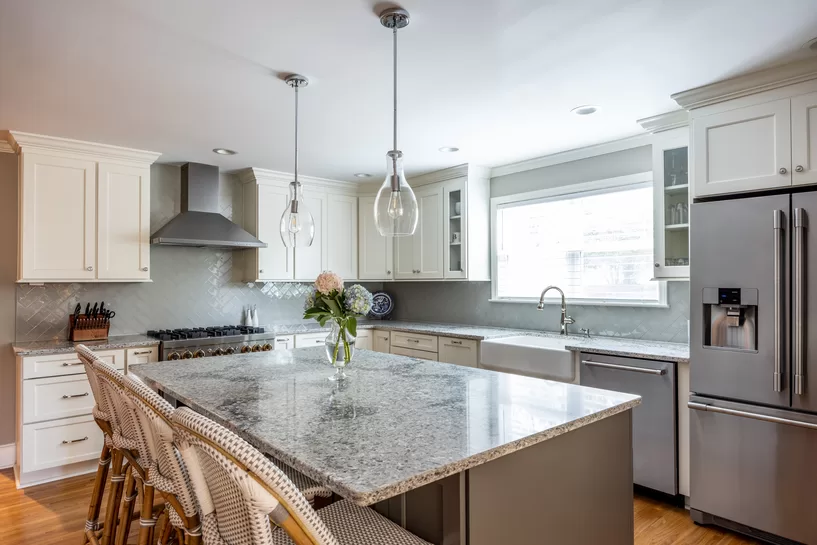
x=449, y=149
x=363, y=175
x=224, y=151
x=586, y=109
x=811, y=44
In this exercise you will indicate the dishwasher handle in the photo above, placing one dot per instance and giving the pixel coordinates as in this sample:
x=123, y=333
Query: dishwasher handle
x=618, y=367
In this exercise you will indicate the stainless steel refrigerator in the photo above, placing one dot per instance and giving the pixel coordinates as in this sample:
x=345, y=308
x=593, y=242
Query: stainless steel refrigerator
x=753, y=365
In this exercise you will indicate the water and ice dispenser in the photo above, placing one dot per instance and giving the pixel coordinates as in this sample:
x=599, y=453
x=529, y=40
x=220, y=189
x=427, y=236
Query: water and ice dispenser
x=730, y=318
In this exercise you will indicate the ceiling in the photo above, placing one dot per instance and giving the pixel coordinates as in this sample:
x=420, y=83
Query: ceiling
x=496, y=78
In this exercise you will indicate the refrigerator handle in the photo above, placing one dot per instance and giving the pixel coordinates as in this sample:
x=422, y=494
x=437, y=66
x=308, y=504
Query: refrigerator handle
x=800, y=225
x=779, y=298
x=695, y=406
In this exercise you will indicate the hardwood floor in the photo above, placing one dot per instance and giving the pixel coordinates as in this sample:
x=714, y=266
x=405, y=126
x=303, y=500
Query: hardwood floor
x=54, y=514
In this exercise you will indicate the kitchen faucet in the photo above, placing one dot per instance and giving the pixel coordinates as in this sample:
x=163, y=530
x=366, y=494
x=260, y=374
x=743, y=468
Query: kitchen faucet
x=566, y=320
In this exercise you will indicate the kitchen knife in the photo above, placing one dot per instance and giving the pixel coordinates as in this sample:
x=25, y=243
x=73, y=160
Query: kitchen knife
x=88, y=309
x=102, y=309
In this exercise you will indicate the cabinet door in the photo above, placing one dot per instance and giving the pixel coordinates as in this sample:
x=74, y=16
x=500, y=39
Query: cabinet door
x=671, y=198
x=285, y=342
x=804, y=139
x=142, y=354
x=376, y=251
x=746, y=149
x=428, y=254
x=458, y=351
x=58, y=227
x=364, y=339
x=455, y=229
x=123, y=228
x=275, y=262
x=405, y=254
x=341, y=236
x=311, y=339
x=381, y=341
x=311, y=261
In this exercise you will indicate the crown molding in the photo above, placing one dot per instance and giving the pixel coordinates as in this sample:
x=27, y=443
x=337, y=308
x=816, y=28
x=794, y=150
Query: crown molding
x=675, y=119
x=573, y=155
x=274, y=177
x=748, y=84
x=23, y=141
x=5, y=147
x=451, y=173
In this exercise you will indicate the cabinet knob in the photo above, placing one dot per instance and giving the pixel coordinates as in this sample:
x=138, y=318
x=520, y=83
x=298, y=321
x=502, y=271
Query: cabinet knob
x=799, y=168
x=388, y=272
x=89, y=268
x=261, y=271
x=783, y=170
x=144, y=269
x=657, y=265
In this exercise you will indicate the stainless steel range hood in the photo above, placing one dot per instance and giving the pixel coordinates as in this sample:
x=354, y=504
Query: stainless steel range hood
x=199, y=224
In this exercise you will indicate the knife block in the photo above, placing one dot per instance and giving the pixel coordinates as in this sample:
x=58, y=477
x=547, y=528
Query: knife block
x=77, y=330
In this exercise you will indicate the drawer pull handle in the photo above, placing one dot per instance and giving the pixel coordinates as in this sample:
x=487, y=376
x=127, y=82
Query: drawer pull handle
x=66, y=396
x=65, y=442
x=72, y=364
x=632, y=368
x=456, y=342
x=142, y=353
x=754, y=416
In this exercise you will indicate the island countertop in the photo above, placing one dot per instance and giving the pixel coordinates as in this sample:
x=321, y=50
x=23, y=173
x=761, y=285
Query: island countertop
x=396, y=424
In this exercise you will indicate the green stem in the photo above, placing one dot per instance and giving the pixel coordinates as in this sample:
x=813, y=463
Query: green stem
x=337, y=343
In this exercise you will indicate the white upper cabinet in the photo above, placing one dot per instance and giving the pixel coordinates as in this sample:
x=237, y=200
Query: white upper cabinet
x=341, y=235
x=376, y=251
x=455, y=223
x=84, y=211
x=420, y=256
x=123, y=213
x=804, y=138
x=333, y=206
x=744, y=149
x=58, y=218
x=670, y=152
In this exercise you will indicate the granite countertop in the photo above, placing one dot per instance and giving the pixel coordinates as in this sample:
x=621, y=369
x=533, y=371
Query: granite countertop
x=397, y=424
x=635, y=348
x=40, y=348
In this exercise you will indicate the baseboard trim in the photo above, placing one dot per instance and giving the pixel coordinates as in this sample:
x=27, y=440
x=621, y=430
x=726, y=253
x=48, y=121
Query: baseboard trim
x=8, y=455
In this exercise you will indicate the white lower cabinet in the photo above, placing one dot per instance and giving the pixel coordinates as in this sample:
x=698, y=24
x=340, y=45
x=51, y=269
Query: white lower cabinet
x=310, y=339
x=142, y=354
x=420, y=354
x=56, y=397
x=458, y=351
x=381, y=341
x=284, y=342
x=364, y=339
x=56, y=443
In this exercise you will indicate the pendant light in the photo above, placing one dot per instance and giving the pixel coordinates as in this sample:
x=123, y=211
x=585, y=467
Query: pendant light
x=297, y=225
x=395, y=208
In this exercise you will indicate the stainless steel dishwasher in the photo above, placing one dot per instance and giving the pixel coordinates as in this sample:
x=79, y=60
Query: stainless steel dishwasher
x=655, y=448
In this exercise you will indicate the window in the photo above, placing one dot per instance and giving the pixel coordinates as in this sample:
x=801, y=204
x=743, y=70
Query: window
x=595, y=243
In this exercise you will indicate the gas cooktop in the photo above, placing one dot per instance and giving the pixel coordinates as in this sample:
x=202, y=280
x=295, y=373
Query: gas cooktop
x=201, y=342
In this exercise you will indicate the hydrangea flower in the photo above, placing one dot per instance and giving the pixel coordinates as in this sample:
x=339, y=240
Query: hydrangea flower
x=328, y=281
x=358, y=300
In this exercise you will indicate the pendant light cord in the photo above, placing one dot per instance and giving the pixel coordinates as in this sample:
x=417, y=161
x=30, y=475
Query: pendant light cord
x=296, y=132
x=394, y=31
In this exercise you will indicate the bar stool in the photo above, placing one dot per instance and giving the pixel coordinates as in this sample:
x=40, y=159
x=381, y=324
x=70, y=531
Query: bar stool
x=240, y=492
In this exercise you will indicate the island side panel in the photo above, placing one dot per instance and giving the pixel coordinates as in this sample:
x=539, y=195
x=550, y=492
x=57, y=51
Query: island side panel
x=572, y=490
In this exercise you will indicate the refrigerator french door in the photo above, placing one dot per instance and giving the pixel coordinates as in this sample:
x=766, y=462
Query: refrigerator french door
x=753, y=417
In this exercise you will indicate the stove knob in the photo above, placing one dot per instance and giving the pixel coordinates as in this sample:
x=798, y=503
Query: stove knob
x=173, y=356
x=256, y=348
x=199, y=353
x=187, y=355
x=246, y=348
x=219, y=352
x=267, y=347
x=230, y=351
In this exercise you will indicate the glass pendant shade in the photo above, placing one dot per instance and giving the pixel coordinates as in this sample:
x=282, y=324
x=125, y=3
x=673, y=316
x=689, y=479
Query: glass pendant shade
x=395, y=207
x=297, y=224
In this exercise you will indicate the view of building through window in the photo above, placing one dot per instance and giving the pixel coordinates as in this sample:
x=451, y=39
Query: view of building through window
x=595, y=245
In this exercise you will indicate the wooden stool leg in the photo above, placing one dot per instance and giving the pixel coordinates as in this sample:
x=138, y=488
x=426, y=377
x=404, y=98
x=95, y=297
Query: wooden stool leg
x=166, y=529
x=146, y=521
x=126, y=509
x=114, y=497
x=92, y=522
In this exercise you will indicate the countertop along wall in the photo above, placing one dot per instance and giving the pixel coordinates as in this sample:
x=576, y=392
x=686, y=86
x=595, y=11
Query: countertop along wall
x=467, y=302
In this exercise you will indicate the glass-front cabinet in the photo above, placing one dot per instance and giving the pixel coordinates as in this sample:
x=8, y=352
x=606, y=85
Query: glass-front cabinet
x=455, y=229
x=670, y=156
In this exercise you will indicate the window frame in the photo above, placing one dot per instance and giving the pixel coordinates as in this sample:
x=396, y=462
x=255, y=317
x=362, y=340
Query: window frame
x=562, y=192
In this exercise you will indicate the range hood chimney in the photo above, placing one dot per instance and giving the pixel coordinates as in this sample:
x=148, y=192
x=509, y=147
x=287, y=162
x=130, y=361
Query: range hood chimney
x=199, y=224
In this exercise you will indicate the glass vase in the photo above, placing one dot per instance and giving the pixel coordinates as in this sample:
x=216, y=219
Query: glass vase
x=340, y=349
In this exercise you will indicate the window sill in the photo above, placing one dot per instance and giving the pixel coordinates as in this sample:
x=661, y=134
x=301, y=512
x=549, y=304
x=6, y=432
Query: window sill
x=584, y=303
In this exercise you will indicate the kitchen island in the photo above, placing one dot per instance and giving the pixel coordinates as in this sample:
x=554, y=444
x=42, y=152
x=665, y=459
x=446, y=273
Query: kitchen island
x=457, y=455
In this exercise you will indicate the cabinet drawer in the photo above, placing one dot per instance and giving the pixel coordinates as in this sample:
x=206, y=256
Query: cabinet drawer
x=310, y=339
x=142, y=354
x=56, y=397
x=53, y=365
x=284, y=342
x=420, y=354
x=60, y=442
x=458, y=351
x=381, y=341
x=363, y=340
x=414, y=341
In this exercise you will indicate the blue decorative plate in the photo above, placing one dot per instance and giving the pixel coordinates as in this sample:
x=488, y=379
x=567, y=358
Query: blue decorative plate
x=382, y=305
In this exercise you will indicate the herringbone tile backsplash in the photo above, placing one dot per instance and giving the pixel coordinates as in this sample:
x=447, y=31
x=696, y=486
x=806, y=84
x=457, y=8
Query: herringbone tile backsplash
x=192, y=287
